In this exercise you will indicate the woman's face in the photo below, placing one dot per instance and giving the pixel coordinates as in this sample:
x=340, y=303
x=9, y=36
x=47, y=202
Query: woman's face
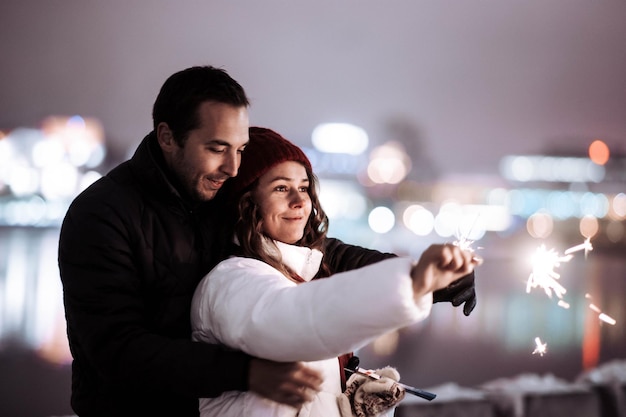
x=282, y=195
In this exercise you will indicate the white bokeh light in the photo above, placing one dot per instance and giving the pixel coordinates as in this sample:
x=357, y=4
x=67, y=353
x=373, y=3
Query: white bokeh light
x=340, y=138
x=341, y=199
x=389, y=164
x=418, y=220
x=381, y=219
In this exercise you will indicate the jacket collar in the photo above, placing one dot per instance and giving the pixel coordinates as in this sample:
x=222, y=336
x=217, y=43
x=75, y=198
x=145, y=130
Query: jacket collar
x=149, y=166
x=302, y=260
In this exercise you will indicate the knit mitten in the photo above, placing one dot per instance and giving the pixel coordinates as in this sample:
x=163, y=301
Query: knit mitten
x=367, y=397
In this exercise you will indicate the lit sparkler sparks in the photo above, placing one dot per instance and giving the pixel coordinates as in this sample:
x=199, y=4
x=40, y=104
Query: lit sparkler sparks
x=540, y=348
x=602, y=316
x=544, y=264
x=586, y=246
x=466, y=244
x=543, y=275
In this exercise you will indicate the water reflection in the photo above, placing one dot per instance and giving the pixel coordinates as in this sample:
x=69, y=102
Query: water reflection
x=31, y=297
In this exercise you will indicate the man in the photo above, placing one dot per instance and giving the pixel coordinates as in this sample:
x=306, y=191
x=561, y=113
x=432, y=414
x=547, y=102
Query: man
x=135, y=244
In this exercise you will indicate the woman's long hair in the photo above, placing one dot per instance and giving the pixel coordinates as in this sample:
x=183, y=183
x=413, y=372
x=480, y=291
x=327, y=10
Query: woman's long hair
x=253, y=243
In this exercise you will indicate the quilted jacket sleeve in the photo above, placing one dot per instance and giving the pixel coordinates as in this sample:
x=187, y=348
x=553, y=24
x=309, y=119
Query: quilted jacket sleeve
x=248, y=305
x=342, y=257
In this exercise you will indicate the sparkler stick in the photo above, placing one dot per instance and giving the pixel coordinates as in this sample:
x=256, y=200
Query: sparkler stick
x=411, y=390
x=353, y=367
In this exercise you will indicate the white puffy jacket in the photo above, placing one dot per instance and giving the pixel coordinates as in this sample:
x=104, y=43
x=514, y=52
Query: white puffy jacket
x=248, y=305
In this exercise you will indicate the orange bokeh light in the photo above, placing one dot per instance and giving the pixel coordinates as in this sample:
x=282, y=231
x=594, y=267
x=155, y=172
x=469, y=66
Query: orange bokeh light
x=599, y=152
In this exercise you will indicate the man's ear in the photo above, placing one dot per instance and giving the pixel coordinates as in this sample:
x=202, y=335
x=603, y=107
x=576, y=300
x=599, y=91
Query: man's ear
x=165, y=137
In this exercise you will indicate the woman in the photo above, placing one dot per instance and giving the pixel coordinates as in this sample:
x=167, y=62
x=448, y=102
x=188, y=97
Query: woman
x=266, y=302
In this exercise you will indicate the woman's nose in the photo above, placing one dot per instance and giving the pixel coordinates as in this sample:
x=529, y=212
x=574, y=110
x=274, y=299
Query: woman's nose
x=296, y=198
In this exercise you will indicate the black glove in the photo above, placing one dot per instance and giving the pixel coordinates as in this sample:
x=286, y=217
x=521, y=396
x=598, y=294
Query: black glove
x=460, y=291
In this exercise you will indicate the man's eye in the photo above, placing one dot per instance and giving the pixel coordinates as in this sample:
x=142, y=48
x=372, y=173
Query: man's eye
x=217, y=150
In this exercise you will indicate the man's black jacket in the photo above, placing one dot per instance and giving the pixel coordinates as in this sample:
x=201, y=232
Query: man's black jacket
x=131, y=253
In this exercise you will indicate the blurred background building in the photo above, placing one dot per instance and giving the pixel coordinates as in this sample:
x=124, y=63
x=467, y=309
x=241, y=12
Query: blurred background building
x=499, y=125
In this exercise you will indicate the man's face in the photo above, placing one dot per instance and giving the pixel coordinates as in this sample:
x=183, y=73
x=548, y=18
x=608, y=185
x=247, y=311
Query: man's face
x=212, y=152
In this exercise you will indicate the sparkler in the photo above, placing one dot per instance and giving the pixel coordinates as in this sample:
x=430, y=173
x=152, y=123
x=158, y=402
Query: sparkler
x=544, y=264
x=466, y=244
x=586, y=245
x=353, y=367
x=544, y=275
x=603, y=317
x=540, y=348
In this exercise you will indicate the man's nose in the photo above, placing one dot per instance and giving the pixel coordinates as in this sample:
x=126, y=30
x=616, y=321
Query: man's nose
x=231, y=164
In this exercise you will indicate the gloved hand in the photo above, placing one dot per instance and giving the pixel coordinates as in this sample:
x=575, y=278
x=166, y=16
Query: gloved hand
x=367, y=397
x=459, y=292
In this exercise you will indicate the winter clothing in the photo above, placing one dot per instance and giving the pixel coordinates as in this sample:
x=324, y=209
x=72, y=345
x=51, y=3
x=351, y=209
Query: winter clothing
x=265, y=150
x=248, y=305
x=131, y=252
x=367, y=397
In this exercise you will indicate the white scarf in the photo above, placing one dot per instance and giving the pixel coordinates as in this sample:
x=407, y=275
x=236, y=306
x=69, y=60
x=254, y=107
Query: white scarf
x=302, y=260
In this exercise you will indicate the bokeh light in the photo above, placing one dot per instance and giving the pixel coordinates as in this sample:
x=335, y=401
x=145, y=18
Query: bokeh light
x=340, y=138
x=418, y=219
x=389, y=164
x=540, y=225
x=381, y=219
x=615, y=231
x=550, y=169
x=599, y=152
x=342, y=199
x=619, y=206
x=589, y=226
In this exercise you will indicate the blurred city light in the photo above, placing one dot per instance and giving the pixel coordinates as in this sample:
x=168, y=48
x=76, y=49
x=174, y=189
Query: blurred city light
x=615, y=231
x=342, y=200
x=389, y=164
x=418, y=219
x=41, y=170
x=550, y=169
x=381, y=219
x=599, y=152
x=589, y=226
x=340, y=138
x=540, y=225
x=619, y=206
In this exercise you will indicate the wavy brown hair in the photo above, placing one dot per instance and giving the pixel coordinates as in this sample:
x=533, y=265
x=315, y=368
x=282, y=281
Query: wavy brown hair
x=249, y=230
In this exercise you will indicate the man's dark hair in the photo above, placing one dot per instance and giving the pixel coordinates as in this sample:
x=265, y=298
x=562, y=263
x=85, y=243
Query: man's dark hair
x=183, y=92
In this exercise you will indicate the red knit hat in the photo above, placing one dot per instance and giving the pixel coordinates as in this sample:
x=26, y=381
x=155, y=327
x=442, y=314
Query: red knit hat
x=265, y=149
